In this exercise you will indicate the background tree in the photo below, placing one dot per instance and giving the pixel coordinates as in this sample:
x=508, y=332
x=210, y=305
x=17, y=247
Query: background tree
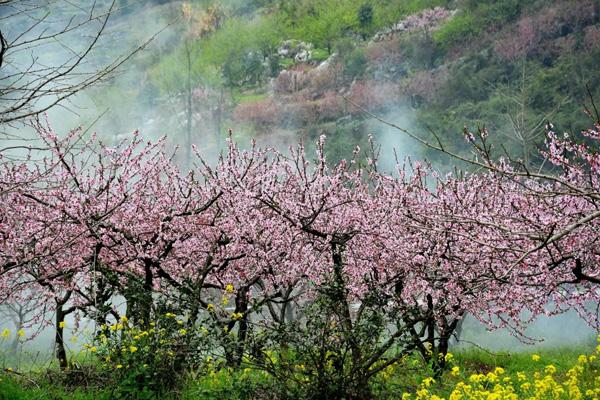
x=44, y=61
x=365, y=19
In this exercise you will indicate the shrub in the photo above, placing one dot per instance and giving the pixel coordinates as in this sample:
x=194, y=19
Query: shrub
x=355, y=63
x=330, y=107
x=591, y=39
x=319, y=55
x=520, y=41
x=427, y=84
x=261, y=113
x=144, y=361
x=456, y=30
x=290, y=81
x=386, y=52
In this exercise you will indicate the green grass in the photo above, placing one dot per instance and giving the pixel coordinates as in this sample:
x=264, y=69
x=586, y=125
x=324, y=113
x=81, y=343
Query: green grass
x=480, y=361
x=319, y=55
x=20, y=388
x=406, y=376
x=248, y=97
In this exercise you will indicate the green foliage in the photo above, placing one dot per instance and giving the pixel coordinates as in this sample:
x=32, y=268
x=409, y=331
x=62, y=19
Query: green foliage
x=344, y=46
x=355, y=63
x=242, y=55
x=216, y=383
x=421, y=50
x=248, y=97
x=458, y=29
x=492, y=12
x=365, y=19
x=319, y=55
x=145, y=361
x=212, y=381
x=17, y=387
x=391, y=11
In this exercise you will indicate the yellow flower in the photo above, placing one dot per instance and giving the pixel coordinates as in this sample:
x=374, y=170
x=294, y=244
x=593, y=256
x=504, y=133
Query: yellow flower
x=61, y=324
x=5, y=333
x=427, y=381
x=119, y=366
x=582, y=359
x=225, y=300
x=182, y=332
x=550, y=369
x=237, y=316
x=448, y=357
x=491, y=377
x=133, y=349
x=229, y=288
x=124, y=318
x=455, y=371
x=170, y=315
x=499, y=370
x=93, y=349
x=535, y=357
x=20, y=333
x=210, y=307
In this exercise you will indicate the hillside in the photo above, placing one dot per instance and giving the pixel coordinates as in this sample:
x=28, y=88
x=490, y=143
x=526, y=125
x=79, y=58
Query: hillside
x=283, y=70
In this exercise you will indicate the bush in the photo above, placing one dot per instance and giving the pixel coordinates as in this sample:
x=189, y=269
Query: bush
x=355, y=63
x=144, y=361
x=336, y=350
x=497, y=12
x=319, y=55
x=261, y=113
x=457, y=30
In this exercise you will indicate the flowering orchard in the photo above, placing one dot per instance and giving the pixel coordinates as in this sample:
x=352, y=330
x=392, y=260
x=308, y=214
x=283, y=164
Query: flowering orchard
x=339, y=268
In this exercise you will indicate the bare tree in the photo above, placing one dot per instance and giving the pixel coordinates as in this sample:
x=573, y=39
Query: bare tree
x=525, y=127
x=50, y=50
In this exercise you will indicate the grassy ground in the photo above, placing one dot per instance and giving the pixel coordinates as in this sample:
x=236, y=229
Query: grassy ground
x=559, y=373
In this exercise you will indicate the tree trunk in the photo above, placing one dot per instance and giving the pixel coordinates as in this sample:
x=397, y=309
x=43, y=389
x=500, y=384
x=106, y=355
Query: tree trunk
x=61, y=353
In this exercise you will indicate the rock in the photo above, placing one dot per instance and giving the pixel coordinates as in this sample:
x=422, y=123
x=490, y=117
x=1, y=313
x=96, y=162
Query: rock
x=298, y=50
x=302, y=56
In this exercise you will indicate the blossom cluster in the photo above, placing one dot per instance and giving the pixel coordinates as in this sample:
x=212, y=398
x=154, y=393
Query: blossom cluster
x=262, y=228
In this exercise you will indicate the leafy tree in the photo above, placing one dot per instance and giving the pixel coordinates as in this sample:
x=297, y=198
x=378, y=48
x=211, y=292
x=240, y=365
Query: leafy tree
x=365, y=19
